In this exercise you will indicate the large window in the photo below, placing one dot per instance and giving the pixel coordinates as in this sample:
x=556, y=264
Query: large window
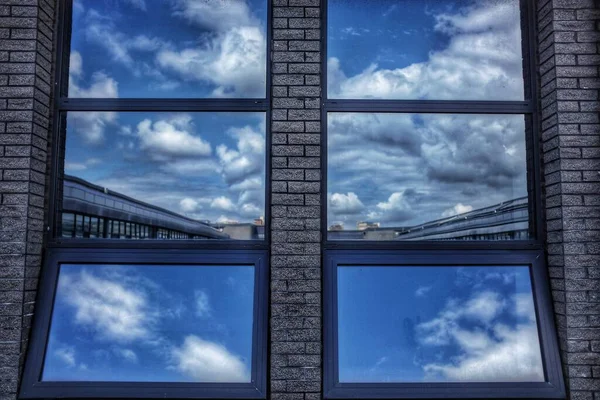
x=154, y=281
x=434, y=266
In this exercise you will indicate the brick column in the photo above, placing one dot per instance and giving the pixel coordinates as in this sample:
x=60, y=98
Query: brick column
x=295, y=323
x=569, y=59
x=26, y=44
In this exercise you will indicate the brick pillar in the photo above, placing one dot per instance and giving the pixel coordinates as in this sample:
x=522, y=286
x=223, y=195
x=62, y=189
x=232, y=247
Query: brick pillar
x=26, y=45
x=569, y=59
x=295, y=323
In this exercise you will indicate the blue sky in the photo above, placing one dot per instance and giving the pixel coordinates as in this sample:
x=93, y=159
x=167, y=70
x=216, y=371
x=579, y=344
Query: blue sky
x=151, y=323
x=174, y=48
x=470, y=324
x=406, y=169
x=208, y=166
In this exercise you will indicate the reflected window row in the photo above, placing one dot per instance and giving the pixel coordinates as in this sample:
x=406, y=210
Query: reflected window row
x=90, y=227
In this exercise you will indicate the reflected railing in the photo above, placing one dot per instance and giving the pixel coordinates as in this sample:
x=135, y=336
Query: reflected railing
x=508, y=220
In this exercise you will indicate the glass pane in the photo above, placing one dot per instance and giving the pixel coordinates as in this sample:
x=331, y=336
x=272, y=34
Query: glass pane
x=177, y=48
x=425, y=49
x=437, y=324
x=427, y=177
x=142, y=323
x=181, y=176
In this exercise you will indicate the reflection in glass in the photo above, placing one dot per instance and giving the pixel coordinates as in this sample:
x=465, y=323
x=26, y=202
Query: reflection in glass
x=425, y=49
x=143, y=323
x=167, y=176
x=427, y=177
x=437, y=324
x=158, y=49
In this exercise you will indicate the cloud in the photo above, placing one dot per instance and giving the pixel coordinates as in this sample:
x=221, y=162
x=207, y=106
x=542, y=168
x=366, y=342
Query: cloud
x=205, y=361
x=345, y=204
x=126, y=354
x=66, y=354
x=481, y=61
x=247, y=160
x=233, y=61
x=140, y=4
x=422, y=290
x=489, y=350
x=172, y=138
x=202, y=303
x=107, y=307
x=215, y=15
x=81, y=166
x=398, y=207
x=412, y=168
x=90, y=124
x=188, y=205
x=459, y=208
x=223, y=203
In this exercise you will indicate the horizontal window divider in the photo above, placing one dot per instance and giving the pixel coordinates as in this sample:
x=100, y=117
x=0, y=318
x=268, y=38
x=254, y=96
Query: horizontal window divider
x=111, y=244
x=429, y=106
x=169, y=105
x=434, y=245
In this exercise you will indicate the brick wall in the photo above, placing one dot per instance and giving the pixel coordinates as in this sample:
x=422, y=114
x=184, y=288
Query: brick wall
x=295, y=371
x=26, y=28
x=569, y=59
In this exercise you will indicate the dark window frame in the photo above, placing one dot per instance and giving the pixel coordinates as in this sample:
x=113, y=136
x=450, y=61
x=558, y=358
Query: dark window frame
x=528, y=108
x=459, y=252
x=163, y=252
x=32, y=387
x=63, y=104
x=552, y=388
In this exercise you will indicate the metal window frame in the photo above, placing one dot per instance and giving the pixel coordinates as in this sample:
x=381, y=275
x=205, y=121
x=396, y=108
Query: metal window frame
x=64, y=104
x=421, y=252
x=529, y=108
x=164, y=252
x=32, y=387
x=553, y=388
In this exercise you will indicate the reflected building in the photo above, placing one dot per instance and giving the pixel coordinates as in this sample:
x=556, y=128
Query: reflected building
x=505, y=221
x=92, y=211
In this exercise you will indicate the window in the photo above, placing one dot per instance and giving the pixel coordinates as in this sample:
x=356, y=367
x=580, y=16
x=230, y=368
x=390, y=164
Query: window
x=154, y=278
x=439, y=324
x=149, y=324
x=434, y=254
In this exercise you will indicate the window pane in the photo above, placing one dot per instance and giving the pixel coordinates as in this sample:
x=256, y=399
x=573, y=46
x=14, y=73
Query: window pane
x=427, y=177
x=143, y=323
x=437, y=324
x=182, y=176
x=178, y=48
x=425, y=49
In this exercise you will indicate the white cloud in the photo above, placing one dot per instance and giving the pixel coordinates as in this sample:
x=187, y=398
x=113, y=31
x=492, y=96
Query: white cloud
x=215, y=15
x=91, y=124
x=458, y=208
x=345, y=204
x=234, y=61
x=489, y=350
x=481, y=61
x=165, y=139
x=202, y=303
x=247, y=160
x=107, y=307
x=223, y=203
x=188, y=205
x=66, y=354
x=205, y=361
x=422, y=290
